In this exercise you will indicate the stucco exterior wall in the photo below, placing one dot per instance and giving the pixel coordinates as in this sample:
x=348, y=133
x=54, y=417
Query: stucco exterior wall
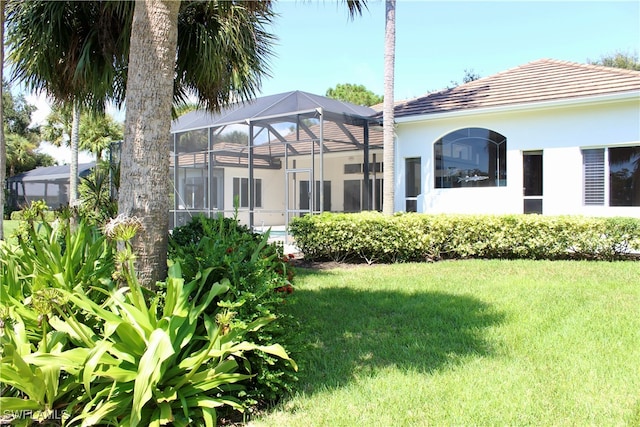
x=560, y=132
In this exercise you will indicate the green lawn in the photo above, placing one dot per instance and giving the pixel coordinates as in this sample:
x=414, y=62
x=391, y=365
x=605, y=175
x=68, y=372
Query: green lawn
x=467, y=343
x=9, y=227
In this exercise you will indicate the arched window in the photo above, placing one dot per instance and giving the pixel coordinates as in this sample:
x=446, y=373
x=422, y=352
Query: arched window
x=471, y=157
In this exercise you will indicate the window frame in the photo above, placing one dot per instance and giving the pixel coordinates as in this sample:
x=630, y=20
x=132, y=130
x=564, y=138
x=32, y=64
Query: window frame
x=240, y=189
x=450, y=169
x=601, y=175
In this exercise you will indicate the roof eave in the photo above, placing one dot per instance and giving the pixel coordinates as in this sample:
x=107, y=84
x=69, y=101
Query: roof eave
x=532, y=106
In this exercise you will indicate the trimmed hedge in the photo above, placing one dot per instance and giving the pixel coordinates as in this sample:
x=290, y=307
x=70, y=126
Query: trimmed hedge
x=403, y=237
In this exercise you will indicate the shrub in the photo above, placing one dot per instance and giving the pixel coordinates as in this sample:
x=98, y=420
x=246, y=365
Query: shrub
x=260, y=276
x=373, y=237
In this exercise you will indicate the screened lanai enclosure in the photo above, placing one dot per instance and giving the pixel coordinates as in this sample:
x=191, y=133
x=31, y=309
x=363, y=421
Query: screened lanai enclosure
x=50, y=184
x=274, y=158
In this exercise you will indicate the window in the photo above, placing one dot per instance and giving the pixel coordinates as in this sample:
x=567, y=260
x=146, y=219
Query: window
x=621, y=165
x=241, y=191
x=412, y=186
x=471, y=157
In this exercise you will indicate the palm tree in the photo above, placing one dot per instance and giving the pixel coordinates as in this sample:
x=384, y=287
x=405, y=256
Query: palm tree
x=144, y=191
x=70, y=51
x=97, y=132
x=19, y=153
x=388, y=117
x=219, y=54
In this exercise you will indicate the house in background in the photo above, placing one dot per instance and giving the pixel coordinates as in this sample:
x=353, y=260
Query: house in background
x=274, y=158
x=547, y=137
x=50, y=184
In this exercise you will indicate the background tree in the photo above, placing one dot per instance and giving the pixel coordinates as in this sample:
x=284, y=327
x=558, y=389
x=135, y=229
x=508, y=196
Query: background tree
x=469, y=76
x=98, y=131
x=388, y=121
x=355, y=94
x=618, y=60
x=21, y=155
x=20, y=140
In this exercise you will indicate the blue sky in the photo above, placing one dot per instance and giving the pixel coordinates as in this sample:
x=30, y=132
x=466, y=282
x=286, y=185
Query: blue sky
x=319, y=47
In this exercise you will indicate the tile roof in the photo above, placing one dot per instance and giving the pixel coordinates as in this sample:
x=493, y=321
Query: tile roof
x=543, y=80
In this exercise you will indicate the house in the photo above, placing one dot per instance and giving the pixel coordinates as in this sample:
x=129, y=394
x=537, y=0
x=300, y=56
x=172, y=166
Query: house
x=50, y=184
x=549, y=137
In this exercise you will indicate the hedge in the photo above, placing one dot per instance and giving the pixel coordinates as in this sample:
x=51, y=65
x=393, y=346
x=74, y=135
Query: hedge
x=403, y=237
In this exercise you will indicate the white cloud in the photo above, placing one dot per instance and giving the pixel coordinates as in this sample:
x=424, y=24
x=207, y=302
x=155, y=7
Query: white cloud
x=43, y=108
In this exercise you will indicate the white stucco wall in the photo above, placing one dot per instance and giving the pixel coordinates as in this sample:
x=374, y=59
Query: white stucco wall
x=560, y=132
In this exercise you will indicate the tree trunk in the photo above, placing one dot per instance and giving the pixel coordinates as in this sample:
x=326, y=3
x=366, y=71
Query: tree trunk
x=387, y=112
x=144, y=188
x=74, y=142
x=3, y=149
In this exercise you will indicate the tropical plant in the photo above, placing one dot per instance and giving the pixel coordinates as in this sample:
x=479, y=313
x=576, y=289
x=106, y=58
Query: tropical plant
x=97, y=348
x=96, y=191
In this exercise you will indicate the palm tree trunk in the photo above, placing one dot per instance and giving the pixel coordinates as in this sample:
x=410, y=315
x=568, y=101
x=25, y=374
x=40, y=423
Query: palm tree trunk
x=144, y=188
x=3, y=149
x=73, y=167
x=387, y=112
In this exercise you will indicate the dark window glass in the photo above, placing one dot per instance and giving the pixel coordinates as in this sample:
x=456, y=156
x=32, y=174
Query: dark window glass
x=624, y=176
x=532, y=174
x=532, y=206
x=412, y=174
x=471, y=157
x=352, y=168
x=244, y=193
x=352, y=195
x=257, y=191
x=241, y=191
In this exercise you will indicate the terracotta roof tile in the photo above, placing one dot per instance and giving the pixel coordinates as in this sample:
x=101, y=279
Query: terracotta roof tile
x=538, y=81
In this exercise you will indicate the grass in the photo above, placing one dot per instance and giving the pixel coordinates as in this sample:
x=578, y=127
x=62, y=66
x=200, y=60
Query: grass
x=467, y=343
x=9, y=228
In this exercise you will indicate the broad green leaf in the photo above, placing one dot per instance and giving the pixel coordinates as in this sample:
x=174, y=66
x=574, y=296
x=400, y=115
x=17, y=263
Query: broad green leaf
x=116, y=373
x=11, y=404
x=209, y=416
x=92, y=362
x=140, y=320
x=51, y=378
x=150, y=371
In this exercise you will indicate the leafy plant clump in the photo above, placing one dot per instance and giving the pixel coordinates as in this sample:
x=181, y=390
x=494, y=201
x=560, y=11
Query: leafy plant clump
x=84, y=344
x=259, y=276
x=373, y=237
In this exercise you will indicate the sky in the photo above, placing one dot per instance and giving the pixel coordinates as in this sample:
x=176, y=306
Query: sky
x=319, y=47
x=436, y=41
